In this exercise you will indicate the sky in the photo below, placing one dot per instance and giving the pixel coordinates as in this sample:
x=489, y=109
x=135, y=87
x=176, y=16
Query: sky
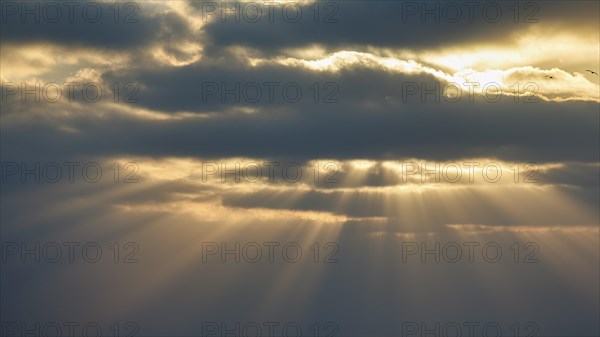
x=300, y=168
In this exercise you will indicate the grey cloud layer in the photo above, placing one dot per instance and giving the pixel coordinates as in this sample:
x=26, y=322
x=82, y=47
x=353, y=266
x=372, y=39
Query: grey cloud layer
x=134, y=27
x=543, y=132
x=393, y=24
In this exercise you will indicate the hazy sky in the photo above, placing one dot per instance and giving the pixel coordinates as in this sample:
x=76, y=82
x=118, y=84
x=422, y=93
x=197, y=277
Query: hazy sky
x=378, y=168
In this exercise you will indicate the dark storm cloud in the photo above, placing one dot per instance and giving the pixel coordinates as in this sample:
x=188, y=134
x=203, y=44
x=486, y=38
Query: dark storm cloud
x=534, y=132
x=220, y=84
x=575, y=174
x=87, y=23
x=391, y=24
x=361, y=204
x=339, y=24
x=374, y=117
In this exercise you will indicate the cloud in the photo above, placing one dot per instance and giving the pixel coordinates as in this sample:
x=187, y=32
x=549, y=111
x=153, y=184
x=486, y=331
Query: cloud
x=399, y=24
